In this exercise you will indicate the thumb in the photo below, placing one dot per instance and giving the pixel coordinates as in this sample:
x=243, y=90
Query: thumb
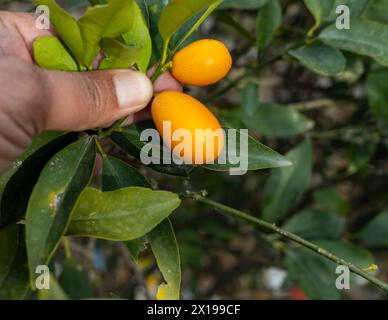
x=79, y=101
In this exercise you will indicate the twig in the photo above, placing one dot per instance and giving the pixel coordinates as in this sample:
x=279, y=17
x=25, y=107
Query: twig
x=288, y=235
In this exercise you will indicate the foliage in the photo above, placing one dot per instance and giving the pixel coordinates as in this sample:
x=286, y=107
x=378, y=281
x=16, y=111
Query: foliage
x=328, y=188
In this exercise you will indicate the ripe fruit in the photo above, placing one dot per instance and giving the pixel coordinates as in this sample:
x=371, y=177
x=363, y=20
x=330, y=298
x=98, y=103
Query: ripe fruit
x=202, y=63
x=182, y=111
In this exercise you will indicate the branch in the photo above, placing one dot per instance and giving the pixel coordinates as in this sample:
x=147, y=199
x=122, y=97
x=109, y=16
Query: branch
x=288, y=235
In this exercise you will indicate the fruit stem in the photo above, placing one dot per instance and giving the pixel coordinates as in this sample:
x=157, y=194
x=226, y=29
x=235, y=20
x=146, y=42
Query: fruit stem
x=99, y=147
x=288, y=235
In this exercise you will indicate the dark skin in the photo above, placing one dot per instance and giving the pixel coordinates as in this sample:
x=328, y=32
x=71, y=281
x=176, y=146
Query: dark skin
x=34, y=100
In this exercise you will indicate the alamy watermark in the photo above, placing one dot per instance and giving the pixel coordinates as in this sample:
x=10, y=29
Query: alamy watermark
x=42, y=22
x=42, y=281
x=181, y=146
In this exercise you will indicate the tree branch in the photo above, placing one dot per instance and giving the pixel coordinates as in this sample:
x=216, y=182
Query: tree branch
x=288, y=235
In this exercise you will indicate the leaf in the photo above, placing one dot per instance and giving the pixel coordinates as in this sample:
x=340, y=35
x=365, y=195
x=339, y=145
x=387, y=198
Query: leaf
x=330, y=200
x=226, y=17
x=315, y=224
x=154, y=9
x=268, y=22
x=178, y=12
x=166, y=251
x=104, y=21
x=375, y=233
x=377, y=93
x=357, y=8
x=321, y=59
x=315, y=275
x=67, y=29
x=135, y=247
x=17, y=182
x=117, y=174
x=13, y=263
x=376, y=11
x=54, y=293
x=74, y=281
x=286, y=185
x=49, y=53
x=365, y=37
x=139, y=36
x=53, y=198
x=121, y=215
x=129, y=140
x=320, y=9
x=277, y=121
x=256, y=156
x=243, y=4
x=250, y=99
x=118, y=55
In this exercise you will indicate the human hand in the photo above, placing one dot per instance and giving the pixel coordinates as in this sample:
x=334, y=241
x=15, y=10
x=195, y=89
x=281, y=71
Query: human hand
x=33, y=100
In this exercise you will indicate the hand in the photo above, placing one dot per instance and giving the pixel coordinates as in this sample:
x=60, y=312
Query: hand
x=33, y=100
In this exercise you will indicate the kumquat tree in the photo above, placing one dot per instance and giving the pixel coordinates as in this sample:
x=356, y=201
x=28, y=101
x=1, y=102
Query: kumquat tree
x=252, y=164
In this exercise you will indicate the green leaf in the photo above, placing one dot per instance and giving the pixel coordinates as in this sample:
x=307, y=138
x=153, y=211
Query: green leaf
x=330, y=200
x=117, y=174
x=357, y=8
x=268, y=22
x=178, y=12
x=243, y=4
x=54, y=197
x=377, y=93
x=121, y=215
x=74, y=281
x=320, y=9
x=286, y=185
x=315, y=275
x=139, y=36
x=277, y=121
x=365, y=37
x=49, y=53
x=129, y=140
x=118, y=55
x=377, y=11
x=250, y=99
x=135, y=247
x=166, y=251
x=321, y=59
x=54, y=293
x=13, y=263
x=257, y=156
x=67, y=29
x=104, y=21
x=375, y=233
x=17, y=182
x=315, y=224
x=226, y=17
x=154, y=8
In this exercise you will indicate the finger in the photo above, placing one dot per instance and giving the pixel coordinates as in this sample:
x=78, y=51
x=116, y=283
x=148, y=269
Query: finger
x=80, y=101
x=17, y=33
x=165, y=82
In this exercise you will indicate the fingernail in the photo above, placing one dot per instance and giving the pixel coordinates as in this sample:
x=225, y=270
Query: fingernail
x=133, y=89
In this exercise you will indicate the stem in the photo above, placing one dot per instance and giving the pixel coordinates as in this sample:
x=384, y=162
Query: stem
x=99, y=147
x=165, y=52
x=196, y=25
x=288, y=235
x=66, y=246
x=114, y=127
